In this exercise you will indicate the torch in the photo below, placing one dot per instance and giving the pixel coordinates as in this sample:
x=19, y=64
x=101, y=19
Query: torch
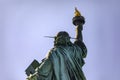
x=78, y=21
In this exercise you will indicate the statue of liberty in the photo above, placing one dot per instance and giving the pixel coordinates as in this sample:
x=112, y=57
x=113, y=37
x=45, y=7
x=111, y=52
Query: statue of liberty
x=66, y=59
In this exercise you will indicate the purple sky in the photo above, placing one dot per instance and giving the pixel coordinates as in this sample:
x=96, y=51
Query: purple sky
x=24, y=23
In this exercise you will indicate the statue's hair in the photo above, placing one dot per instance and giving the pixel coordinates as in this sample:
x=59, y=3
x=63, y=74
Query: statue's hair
x=63, y=39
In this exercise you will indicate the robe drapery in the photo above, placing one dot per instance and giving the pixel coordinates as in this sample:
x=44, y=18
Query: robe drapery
x=62, y=63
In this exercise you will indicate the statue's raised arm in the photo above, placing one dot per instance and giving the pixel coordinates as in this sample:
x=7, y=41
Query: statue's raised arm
x=78, y=21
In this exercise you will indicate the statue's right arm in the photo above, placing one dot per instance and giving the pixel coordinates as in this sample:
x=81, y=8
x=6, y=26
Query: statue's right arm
x=79, y=40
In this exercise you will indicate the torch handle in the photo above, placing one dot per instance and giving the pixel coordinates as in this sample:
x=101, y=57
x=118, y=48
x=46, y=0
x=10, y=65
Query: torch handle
x=79, y=32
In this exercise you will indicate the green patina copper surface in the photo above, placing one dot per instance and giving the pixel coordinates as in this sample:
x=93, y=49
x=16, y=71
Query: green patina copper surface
x=66, y=59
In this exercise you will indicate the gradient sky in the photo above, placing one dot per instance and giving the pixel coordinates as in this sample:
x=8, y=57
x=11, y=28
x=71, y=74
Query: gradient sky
x=24, y=23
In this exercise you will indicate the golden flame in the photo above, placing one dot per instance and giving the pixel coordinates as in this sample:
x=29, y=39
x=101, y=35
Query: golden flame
x=77, y=13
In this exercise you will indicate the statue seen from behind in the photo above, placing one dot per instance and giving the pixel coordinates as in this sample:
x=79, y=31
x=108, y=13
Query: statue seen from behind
x=66, y=59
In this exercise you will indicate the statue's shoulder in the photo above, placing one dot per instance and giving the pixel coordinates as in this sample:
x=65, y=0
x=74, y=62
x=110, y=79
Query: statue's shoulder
x=51, y=51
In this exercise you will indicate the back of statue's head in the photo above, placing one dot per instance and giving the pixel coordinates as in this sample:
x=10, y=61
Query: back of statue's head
x=62, y=38
x=62, y=33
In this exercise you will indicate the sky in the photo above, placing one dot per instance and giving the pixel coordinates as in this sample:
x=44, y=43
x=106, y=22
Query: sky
x=24, y=23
